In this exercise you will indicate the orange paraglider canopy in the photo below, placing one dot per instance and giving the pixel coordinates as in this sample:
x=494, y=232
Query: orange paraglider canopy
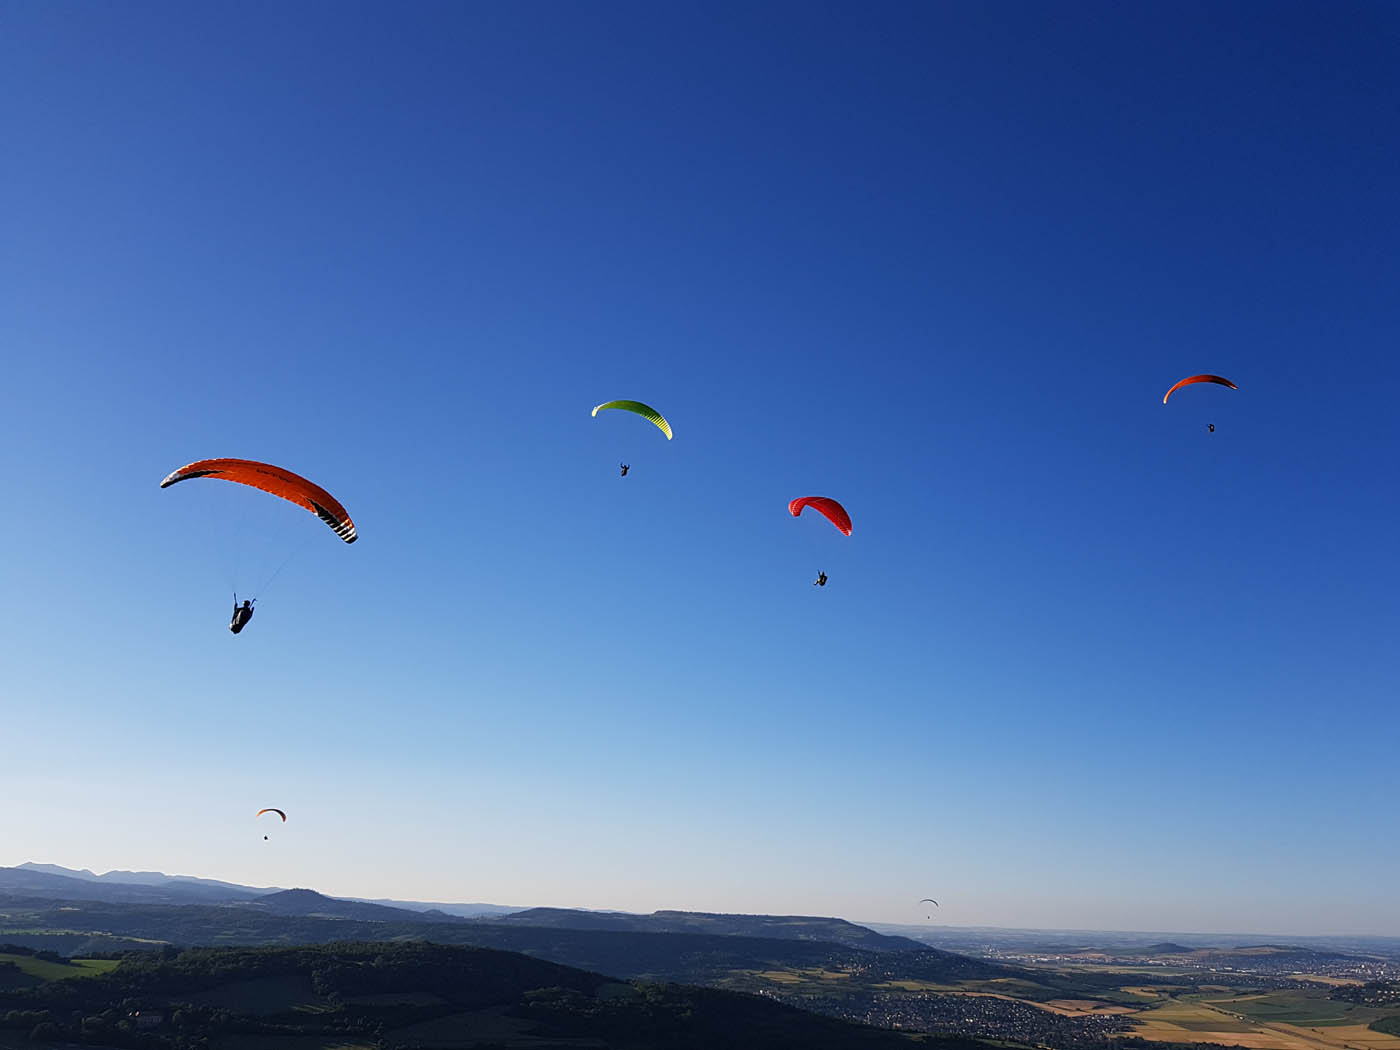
x=833, y=511
x=277, y=811
x=279, y=482
x=1198, y=379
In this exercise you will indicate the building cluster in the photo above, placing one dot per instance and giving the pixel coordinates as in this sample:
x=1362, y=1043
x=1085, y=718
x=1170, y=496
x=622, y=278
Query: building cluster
x=1288, y=967
x=984, y=1016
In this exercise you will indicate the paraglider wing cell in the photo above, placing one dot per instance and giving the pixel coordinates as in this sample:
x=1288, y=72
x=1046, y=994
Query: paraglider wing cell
x=1198, y=379
x=645, y=411
x=829, y=508
x=277, y=811
x=279, y=482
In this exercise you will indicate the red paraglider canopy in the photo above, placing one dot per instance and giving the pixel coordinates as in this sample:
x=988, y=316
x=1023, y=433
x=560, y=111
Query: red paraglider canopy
x=1198, y=379
x=829, y=508
x=275, y=480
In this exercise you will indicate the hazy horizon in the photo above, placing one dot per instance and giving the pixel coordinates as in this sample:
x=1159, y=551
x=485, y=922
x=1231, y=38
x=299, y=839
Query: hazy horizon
x=935, y=923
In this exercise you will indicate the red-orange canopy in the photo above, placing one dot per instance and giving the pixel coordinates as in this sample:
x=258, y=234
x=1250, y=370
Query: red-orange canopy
x=292, y=487
x=1198, y=379
x=833, y=511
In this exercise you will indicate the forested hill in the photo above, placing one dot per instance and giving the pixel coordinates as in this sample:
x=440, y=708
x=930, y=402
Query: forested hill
x=785, y=927
x=54, y=883
x=310, y=904
x=84, y=928
x=407, y=995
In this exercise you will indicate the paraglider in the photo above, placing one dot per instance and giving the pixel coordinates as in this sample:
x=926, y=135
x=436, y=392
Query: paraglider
x=1221, y=380
x=1212, y=427
x=275, y=480
x=625, y=469
x=645, y=411
x=241, y=615
x=827, y=507
x=277, y=811
x=929, y=900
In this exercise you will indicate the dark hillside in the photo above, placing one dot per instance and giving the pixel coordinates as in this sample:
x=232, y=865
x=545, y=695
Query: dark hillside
x=690, y=957
x=32, y=881
x=784, y=927
x=311, y=904
x=404, y=995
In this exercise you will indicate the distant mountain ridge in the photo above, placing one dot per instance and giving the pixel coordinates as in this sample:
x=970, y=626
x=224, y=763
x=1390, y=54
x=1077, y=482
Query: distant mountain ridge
x=37, y=882
x=779, y=927
x=310, y=904
x=55, y=882
x=144, y=878
x=81, y=928
x=52, y=882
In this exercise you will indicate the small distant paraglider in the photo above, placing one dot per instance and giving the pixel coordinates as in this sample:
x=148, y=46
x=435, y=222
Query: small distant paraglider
x=1189, y=380
x=829, y=509
x=270, y=810
x=929, y=900
x=648, y=413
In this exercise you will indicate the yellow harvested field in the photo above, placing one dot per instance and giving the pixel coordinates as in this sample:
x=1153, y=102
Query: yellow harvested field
x=1355, y=1035
x=781, y=976
x=1150, y=991
x=1255, y=1040
x=1196, y=1022
x=1192, y=1017
x=919, y=986
x=798, y=976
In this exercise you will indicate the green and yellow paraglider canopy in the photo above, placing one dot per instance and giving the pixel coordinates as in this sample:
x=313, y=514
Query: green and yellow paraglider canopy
x=645, y=411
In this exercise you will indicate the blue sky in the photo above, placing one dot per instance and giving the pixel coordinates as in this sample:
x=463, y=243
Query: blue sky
x=1082, y=663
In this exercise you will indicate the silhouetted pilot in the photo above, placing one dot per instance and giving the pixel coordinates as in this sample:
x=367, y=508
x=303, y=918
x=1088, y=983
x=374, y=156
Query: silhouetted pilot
x=241, y=615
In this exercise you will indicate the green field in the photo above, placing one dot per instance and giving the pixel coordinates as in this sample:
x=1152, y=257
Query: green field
x=1191, y=1016
x=1388, y=1025
x=52, y=971
x=1309, y=1009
